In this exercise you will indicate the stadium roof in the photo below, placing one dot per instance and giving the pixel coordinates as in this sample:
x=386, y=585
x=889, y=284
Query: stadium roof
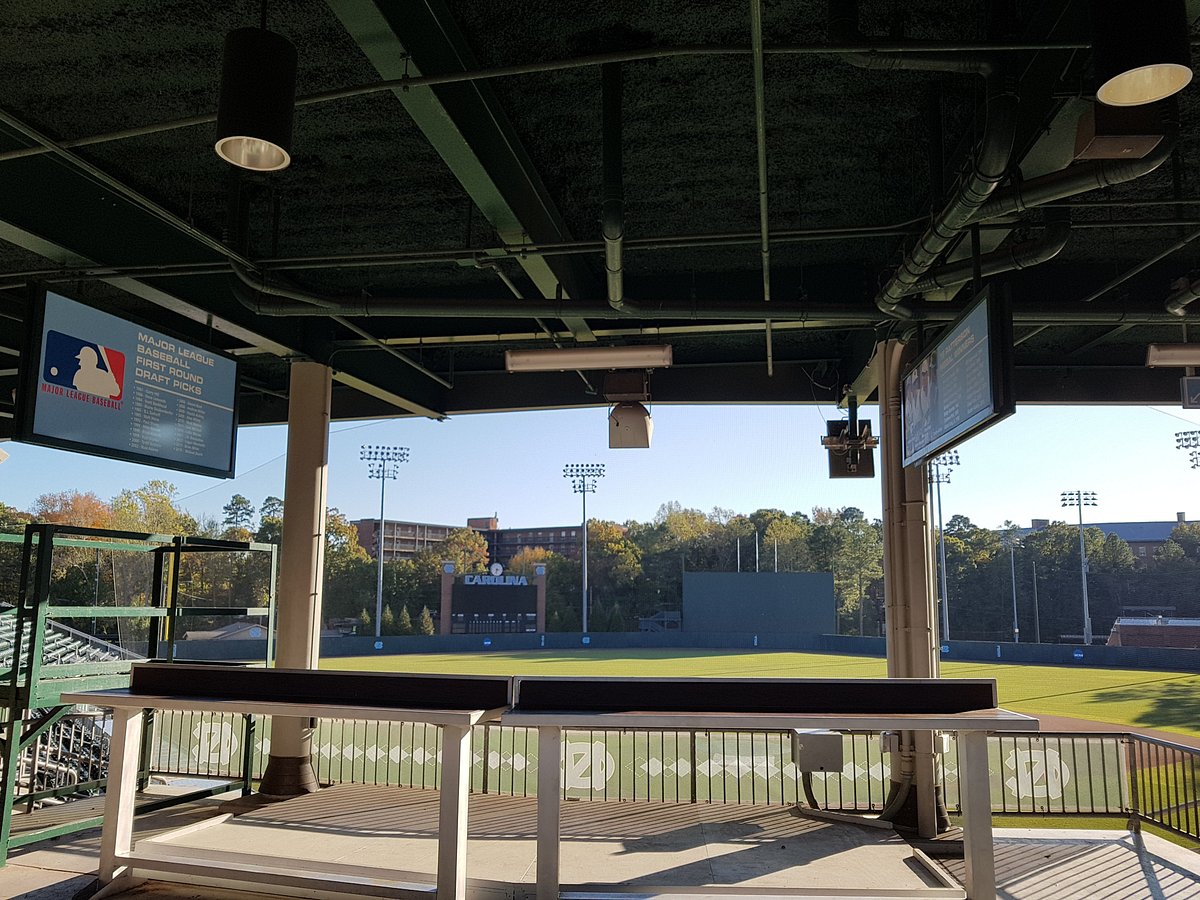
x=465, y=216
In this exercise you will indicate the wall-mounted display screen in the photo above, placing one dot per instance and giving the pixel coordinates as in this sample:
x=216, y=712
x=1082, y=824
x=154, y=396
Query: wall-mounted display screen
x=99, y=384
x=963, y=383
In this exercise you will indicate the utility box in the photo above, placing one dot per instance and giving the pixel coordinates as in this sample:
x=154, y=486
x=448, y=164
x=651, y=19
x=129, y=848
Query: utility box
x=817, y=751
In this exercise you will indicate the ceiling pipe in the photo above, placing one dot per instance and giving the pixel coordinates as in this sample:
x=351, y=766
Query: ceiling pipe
x=760, y=141
x=612, y=208
x=1183, y=296
x=873, y=50
x=816, y=315
x=271, y=303
x=1080, y=178
x=1023, y=255
x=988, y=168
x=843, y=28
x=1143, y=266
x=332, y=310
x=760, y=135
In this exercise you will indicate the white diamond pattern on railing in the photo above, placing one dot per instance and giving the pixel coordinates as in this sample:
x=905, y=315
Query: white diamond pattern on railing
x=1029, y=774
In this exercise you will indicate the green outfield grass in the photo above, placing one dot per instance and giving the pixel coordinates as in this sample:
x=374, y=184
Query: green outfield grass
x=1135, y=699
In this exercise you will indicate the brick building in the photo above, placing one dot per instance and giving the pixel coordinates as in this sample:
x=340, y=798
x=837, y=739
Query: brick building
x=404, y=540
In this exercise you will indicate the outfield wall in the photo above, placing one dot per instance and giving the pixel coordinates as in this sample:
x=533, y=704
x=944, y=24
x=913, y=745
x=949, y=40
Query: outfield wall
x=965, y=651
x=739, y=603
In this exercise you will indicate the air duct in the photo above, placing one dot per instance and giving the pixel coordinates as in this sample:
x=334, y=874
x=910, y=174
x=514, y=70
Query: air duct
x=987, y=170
x=1184, y=294
x=1023, y=255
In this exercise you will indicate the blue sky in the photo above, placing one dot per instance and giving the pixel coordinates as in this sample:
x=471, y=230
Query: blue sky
x=737, y=457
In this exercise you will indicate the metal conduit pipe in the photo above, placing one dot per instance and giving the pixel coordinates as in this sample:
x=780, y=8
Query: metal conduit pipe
x=988, y=168
x=1023, y=255
x=1076, y=179
x=612, y=208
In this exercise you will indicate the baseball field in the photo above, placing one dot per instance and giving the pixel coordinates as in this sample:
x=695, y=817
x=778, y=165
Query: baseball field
x=1132, y=699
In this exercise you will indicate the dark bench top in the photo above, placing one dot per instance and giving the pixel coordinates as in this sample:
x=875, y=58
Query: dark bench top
x=817, y=696
x=361, y=689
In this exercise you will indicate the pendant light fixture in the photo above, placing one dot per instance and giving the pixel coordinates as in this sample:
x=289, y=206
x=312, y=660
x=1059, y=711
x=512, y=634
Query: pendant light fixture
x=1141, y=52
x=258, y=94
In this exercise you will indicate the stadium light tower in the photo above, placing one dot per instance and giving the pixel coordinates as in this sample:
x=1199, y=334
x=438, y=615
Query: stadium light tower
x=583, y=478
x=382, y=463
x=940, y=468
x=1190, y=441
x=1082, y=499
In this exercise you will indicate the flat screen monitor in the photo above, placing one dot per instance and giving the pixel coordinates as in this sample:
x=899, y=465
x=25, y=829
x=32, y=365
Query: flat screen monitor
x=99, y=384
x=962, y=383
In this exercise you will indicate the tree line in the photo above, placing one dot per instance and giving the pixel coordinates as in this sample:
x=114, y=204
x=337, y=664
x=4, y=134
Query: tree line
x=635, y=569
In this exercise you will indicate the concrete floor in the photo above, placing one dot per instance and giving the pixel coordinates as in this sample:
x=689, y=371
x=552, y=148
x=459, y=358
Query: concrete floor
x=756, y=849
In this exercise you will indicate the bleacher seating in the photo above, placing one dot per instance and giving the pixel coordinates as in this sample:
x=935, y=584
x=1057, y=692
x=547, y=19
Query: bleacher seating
x=63, y=645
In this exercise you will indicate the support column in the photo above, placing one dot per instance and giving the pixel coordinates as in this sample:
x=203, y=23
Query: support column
x=301, y=565
x=912, y=649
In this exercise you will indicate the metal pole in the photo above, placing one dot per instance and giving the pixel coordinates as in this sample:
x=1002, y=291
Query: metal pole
x=1012, y=561
x=379, y=552
x=1083, y=567
x=1037, y=619
x=777, y=555
x=942, y=557
x=585, y=551
x=860, y=604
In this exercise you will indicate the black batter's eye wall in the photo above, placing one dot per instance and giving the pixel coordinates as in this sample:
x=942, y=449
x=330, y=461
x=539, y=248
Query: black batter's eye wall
x=759, y=602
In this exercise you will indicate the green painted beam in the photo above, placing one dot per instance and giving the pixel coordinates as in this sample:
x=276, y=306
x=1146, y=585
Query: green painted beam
x=50, y=693
x=468, y=128
x=103, y=612
x=85, y=669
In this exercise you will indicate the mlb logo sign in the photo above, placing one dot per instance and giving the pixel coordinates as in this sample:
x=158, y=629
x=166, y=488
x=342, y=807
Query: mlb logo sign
x=85, y=366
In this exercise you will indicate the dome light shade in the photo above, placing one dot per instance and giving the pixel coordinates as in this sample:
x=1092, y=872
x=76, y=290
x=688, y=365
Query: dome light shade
x=1140, y=54
x=258, y=94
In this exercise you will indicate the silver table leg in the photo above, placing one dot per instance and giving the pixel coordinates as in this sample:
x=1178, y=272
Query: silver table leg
x=549, y=791
x=117, y=837
x=975, y=788
x=452, y=816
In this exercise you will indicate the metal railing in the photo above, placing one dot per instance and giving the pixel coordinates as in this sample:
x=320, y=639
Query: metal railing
x=1163, y=780
x=1045, y=774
